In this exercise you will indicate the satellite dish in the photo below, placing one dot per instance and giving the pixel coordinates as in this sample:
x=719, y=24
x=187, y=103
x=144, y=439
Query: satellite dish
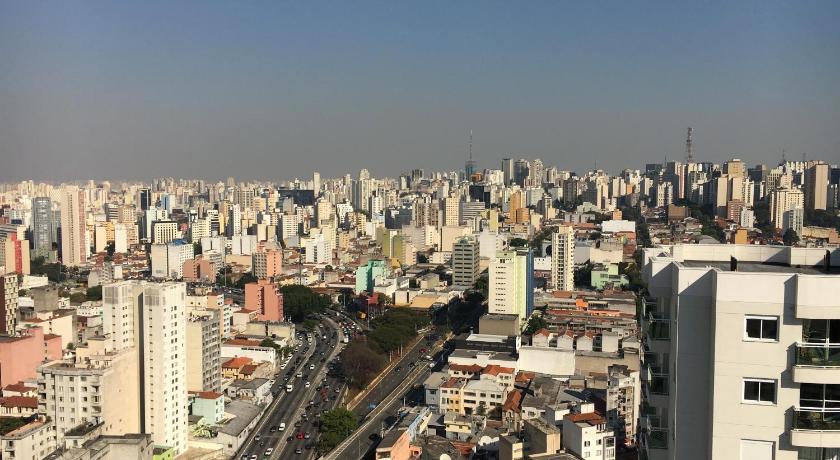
x=445, y=457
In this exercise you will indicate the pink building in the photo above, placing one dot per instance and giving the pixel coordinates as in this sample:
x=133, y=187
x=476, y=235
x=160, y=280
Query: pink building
x=265, y=298
x=21, y=356
x=15, y=254
x=267, y=263
x=199, y=270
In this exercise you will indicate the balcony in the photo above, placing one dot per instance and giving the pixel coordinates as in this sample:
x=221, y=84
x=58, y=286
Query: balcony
x=816, y=428
x=817, y=363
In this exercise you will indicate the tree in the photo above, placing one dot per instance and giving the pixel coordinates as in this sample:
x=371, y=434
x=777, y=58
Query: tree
x=94, y=293
x=77, y=298
x=583, y=275
x=535, y=323
x=790, y=238
x=299, y=302
x=518, y=242
x=336, y=426
x=360, y=364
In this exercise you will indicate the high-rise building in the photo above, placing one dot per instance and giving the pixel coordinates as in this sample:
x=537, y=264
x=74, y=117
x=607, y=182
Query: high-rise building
x=563, y=258
x=8, y=303
x=507, y=170
x=465, y=262
x=740, y=346
x=144, y=198
x=623, y=402
x=43, y=226
x=451, y=211
x=511, y=285
x=816, y=186
x=204, y=350
x=151, y=318
x=264, y=297
x=267, y=263
x=783, y=200
x=99, y=386
x=74, y=238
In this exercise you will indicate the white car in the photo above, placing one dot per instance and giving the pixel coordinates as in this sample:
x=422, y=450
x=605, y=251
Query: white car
x=282, y=426
x=306, y=385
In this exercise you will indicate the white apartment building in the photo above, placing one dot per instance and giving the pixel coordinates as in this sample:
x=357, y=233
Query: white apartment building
x=99, y=386
x=165, y=231
x=163, y=355
x=563, y=258
x=782, y=200
x=510, y=284
x=168, y=259
x=34, y=440
x=587, y=436
x=741, y=353
x=151, y=318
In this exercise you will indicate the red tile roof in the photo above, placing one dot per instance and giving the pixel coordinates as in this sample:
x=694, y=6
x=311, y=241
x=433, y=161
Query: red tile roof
x=18, y=388
x=243, y=342
x=236, y=363
x=248, y=369
x=513, y=401
x=495, y=369
x=26, y=402
x=592, y=418
x=207, y=394
x=466, y=368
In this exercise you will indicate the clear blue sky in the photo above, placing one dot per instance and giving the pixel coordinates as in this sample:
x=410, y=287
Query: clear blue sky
x=273, y=90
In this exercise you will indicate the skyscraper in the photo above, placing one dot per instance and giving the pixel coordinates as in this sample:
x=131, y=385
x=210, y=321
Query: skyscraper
x=465, y=262
x=507, y=170
x=816, y=186
x=511, y=283
x=42, y=226
x=74, y=240
x=152, y=318
x=563, y=258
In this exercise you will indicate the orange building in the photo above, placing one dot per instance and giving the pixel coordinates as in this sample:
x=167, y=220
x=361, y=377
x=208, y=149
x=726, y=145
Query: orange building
x=265, y=298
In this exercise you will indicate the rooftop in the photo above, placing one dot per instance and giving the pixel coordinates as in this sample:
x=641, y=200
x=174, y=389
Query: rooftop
x=758, y=267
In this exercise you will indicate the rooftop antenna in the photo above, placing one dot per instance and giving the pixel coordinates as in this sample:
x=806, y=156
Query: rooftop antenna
x=689, y=148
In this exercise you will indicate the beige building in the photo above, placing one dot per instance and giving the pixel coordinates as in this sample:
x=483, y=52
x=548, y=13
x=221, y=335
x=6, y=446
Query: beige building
x=563, y=258
x=816, y=186
x=33, y=441
x=587, y=436
x=783, y=200
x=74, y=235
x=204, y=367
x=99, y=386
x=749, y=370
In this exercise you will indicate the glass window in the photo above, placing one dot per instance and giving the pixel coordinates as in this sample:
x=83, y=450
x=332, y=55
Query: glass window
x=761, y=327
x=760, y=391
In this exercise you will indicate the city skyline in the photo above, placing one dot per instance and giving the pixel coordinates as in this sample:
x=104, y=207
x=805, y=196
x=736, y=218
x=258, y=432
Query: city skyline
x=278, y=91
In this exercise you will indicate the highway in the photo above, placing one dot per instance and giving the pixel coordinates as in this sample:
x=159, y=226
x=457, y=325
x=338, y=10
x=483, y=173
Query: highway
x=290, y=407
x=403, y=386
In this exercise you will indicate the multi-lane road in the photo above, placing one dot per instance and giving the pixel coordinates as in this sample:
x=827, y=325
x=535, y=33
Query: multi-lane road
x=299, y=410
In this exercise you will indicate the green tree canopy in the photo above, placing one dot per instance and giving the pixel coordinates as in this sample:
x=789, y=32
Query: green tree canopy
x=336, y=426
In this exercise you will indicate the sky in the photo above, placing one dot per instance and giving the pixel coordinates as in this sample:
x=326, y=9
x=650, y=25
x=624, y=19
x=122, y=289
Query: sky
x=275, y=90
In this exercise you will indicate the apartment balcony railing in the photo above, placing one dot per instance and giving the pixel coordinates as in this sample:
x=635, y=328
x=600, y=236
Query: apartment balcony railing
x=657, y=438
x=817, y=363
x=818, y=354
x=657, y=326
x=816, y=428
x=816, y=419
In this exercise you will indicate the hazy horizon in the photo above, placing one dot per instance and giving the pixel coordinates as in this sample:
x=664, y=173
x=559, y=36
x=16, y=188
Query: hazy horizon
x=270, y=91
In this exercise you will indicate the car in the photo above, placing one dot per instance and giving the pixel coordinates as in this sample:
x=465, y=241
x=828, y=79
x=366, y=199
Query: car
x=282, y=426
x=306, y=435
x=290, y=439
x=422, y=350
x=299, y=375
x=311, y=367
x=300, y=435
x=253, y=456
x=398, y=368
x=338, y=390
x=297, y=424
x=306, y=384
x=257, y=437
x=298, y=450
x=374, y=437
x=269, y=451
x=272, y=429
x=311, y=402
